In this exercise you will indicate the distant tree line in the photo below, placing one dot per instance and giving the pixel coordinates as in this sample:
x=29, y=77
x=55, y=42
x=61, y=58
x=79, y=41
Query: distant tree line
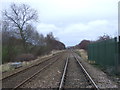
x=84, y=43
x=19, y=35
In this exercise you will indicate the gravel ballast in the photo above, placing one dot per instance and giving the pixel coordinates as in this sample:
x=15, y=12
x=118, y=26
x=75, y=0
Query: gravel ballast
x=75, y=77
x=16, y=79
x=49, y=78
x=97, y=75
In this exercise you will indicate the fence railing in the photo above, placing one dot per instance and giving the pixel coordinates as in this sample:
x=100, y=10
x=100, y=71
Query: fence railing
x=105, y=53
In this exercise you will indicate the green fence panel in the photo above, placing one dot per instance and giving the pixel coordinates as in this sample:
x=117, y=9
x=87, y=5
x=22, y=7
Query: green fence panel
x=103, y=52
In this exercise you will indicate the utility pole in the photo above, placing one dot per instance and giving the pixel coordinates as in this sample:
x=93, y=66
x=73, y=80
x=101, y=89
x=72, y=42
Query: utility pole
x=118, y=40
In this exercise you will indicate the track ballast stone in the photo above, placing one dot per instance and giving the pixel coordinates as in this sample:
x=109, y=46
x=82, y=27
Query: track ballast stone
x=98, y=76
x=49, y=78
x=75, y=77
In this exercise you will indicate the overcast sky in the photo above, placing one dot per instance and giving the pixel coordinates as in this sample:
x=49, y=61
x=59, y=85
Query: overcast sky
x=74, y=20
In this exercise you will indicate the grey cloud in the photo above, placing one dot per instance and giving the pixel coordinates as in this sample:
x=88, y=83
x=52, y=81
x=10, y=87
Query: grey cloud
x=74, y=33
x=74, y=20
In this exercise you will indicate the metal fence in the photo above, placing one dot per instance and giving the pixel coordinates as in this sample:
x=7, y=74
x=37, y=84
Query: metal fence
x=105, y=52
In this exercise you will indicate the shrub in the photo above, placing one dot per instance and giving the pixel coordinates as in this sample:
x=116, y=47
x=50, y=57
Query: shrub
x=25, y=57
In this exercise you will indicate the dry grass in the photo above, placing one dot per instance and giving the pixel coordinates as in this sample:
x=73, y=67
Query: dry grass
x=7, y=67
x=84, y=56
x=83, y=53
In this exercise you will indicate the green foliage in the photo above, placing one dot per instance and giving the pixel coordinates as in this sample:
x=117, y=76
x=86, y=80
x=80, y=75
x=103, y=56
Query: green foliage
x=10, y=52
x=5, y=55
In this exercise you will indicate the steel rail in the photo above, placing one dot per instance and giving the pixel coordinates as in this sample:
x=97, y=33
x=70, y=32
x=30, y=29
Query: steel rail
x=95, y=85
x=23, y=82
x=27, y=68
x=63, y=76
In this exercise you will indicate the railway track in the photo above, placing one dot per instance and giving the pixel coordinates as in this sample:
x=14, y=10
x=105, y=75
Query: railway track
x=17, y=79
x=19, y=71
x=75, y=76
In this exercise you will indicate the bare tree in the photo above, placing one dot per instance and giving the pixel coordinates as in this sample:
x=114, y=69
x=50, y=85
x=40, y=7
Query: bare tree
x=34, y=37
x=104, y=37
x=20, y=16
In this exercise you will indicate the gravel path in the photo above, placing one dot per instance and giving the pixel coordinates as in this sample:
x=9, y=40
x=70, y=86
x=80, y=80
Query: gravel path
x=50, y=78
x=98, y=76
